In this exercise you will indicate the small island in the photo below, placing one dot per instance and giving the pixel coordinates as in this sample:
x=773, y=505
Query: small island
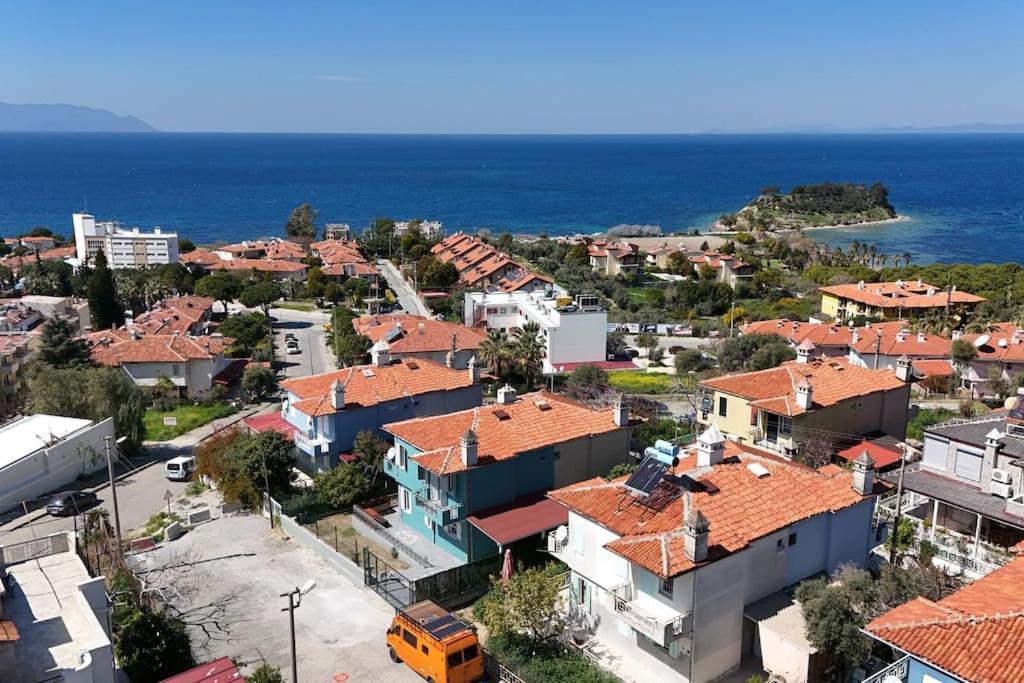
x=823, y=205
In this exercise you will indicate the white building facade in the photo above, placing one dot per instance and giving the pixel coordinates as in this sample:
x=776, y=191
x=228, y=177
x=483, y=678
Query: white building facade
x=574, y=331
x=123, y=247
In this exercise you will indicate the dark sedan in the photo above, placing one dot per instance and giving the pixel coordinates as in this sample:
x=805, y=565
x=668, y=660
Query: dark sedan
x=71, y=503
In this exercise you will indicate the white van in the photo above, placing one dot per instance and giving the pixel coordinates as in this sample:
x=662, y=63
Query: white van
x=180, y=468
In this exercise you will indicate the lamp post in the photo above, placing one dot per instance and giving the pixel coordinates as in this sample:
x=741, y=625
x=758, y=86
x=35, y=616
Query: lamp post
x=113, y=493
x=294, y=600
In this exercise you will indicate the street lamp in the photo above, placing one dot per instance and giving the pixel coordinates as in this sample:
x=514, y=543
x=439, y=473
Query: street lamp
x=294, y=600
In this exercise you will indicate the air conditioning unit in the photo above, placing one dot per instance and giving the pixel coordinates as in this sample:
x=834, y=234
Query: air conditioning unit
x=1001, y=476
x=999, y=489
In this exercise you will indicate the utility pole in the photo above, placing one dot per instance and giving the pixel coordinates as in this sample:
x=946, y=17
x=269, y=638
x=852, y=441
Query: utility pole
x=113, y=495
x=266, y=485
x=294, y=600
x=899, y=501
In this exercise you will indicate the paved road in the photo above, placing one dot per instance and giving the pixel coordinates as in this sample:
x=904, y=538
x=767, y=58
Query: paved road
x=307, y=327
x=411, y=303
x=140, y=493
x=666, y=342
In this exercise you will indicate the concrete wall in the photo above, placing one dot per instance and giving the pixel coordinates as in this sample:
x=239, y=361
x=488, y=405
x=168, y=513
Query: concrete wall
x=49, y=469
x=342, y=564
x=588, y=457
x=579, y=337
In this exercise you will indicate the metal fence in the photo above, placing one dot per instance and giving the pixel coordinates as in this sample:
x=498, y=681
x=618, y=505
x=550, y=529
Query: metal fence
x=460, y=585
x=382, y=531
x=387, y=582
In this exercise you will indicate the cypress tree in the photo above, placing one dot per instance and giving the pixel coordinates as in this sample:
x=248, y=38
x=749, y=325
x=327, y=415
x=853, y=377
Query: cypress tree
x=104, y=308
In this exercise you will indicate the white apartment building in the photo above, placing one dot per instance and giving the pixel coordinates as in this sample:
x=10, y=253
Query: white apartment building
x=429, y=229
x=666, y=572
x=123, y=247
x=574, y=331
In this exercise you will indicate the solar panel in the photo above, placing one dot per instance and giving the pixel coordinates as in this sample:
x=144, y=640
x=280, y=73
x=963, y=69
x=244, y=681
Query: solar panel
x=647, y=476
x=444, y=626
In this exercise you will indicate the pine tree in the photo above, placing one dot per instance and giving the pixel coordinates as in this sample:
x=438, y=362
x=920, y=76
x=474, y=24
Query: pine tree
x=104, y=308
x=60, y=348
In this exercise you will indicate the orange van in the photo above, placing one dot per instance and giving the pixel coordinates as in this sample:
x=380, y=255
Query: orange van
x=435, y=644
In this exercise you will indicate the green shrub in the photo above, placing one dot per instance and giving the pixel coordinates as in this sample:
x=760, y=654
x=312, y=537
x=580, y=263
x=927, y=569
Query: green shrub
x=632, y=382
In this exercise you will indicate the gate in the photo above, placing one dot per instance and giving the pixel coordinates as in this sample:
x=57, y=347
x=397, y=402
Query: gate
x=387, y=582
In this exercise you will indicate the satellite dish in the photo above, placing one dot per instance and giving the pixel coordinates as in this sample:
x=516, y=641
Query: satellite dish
x=981, y=341
x=390, y=455
x=1003, y=343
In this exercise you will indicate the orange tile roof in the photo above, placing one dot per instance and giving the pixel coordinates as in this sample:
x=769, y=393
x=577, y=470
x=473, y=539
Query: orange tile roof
x=934, y=367
x=889, y=338
x=515, y=280
x=8, y=631
x=976, y=633
x=10, y=342
x=832, y=380
x=882, y=455
x=200, y=256
x=177, y=314
x=417, y=334
x=503, y=430
x=368, y=385
x=263, y=265
x=740, y=506
x=1005, y=344
x=716, y=260
x=900, y=294
x=116, y=347
x=351, y=269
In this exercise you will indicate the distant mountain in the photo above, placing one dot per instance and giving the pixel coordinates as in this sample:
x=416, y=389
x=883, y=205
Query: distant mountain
x=825, y=129
x=67, y=118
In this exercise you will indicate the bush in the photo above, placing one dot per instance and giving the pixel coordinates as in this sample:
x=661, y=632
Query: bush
x=545, y=661
x=926, y=417
x=690, y=360
x=342, y=486
x=265, y=674
x=152, y=646
x=241, y=463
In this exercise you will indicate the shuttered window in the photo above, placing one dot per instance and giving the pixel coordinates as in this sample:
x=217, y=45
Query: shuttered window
x=968, y=465
x=935, y=453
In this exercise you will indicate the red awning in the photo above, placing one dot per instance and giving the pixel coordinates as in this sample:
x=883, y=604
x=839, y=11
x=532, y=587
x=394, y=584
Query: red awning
x=521, y=518
x=219, y=671
x=271, y=421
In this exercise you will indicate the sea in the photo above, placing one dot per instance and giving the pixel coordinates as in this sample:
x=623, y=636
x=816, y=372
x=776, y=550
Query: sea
x=963, y=195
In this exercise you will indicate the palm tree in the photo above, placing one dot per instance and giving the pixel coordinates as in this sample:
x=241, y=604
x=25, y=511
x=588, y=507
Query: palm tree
x=528, y=351
x=494, y=352
x=906, y=258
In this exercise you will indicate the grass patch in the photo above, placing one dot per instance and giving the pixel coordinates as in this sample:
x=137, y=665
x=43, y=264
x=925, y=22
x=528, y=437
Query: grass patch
x=158, y=522
x=926, y=417
x=304, y=306
x=188, y=418
x=632, y=382
x=337, y=532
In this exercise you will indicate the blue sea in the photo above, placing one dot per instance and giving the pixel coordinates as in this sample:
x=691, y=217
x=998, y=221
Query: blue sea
x=964, y=194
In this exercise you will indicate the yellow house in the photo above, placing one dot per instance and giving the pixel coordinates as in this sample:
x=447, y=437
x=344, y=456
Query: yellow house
x=893, y=300
x=825, y=398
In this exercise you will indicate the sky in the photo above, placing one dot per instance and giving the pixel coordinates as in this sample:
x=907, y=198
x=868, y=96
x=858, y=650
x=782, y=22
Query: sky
x=557, y=66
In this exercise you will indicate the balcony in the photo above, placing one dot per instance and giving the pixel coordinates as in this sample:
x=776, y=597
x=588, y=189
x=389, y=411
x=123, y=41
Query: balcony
x=437, y=504
x=312, y=445
x=899, y=670
x=658, y=621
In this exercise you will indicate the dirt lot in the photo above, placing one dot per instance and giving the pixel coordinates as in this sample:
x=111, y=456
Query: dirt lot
x=337, y=532
x=339, y=628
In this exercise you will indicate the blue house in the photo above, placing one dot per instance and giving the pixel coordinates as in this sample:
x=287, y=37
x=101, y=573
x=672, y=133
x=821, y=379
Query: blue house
x=473, y=481
x=971, y=635
x=326, y=411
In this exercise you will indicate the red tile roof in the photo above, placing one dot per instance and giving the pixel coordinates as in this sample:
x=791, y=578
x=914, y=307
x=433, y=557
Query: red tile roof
x=832, y=381
x=368, y=385
x=716, y=260
x=503, y=430
x=1005, y=344
x=890, y=338
x=900, y=294
x=10, y=342
x=116, y=347
x=976, y=633
x=520, y=519
x=178, y=314
x=882, y=455
x=417, y=334
x=218, y=671
x=934, y=367
x=259, y=264
x=200, y=256
x=740, y=506
x=273, y=421
x=514, y=280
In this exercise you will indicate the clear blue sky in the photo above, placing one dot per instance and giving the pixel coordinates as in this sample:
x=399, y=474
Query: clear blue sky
x=552, y=66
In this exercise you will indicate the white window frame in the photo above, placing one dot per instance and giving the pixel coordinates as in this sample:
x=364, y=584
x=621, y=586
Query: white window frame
x=403, y=457
x=454, y=530
x=405, y=499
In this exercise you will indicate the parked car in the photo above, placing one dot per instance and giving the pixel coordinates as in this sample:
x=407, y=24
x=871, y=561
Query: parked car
x=292, y=350
x=180, y=468
x=632, y=353
x=71, y=503
x=676, y=349
x=436, y=644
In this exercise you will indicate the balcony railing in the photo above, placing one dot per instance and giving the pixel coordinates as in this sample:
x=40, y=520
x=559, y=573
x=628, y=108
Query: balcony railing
x=660, y=630
x=311, y=445
x=557, y=546
x=435, y=506
x=900, y=669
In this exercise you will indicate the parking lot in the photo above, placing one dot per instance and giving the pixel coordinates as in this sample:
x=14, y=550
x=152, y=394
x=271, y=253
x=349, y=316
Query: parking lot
x=339, y=628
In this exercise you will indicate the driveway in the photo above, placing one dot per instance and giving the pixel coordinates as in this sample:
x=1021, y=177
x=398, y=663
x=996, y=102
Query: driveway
x=410, y=301
x=339, y=627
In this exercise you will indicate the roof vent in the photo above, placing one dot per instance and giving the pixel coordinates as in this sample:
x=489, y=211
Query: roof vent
x=368, y=372
x=542, y=404
x=502, y=415
x=412, y=365
x=759, y=470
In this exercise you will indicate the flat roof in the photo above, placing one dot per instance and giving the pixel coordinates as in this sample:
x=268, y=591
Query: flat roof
x=521, y=518
x=31, y=433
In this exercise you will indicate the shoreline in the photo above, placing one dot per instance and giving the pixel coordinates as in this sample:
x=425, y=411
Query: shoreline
x=851, y=226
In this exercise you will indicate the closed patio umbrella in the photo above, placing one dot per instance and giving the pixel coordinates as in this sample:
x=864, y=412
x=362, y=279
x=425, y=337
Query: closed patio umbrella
x=506, y=567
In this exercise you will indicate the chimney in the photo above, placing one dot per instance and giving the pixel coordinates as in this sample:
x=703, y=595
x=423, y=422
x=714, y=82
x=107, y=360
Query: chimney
x=957, y=334
x=855, y=337
x=921, y=338
x=864, y=474
x=468, y=446
x=804, y=351
x=695, y=532
x=620, y=412
x=860, y=285
x=710, y=447
x=804, y=393
x=474, y=371
x=903, y=369
x=992, y=447
x=380, y=354
x=449, y=359
x=338, y=395
x=506, y=394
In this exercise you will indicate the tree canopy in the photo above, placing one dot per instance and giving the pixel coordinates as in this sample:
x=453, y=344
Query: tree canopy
x=222, y=287
x=301, y=222
x=59, y=346
x=105, y=309
x=754, y=352
x=261, y=295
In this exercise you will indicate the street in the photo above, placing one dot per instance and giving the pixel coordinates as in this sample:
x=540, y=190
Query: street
x=308, y=327
x=410, y=301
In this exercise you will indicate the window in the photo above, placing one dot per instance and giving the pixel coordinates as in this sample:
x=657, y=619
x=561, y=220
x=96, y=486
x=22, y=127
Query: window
x=558, y=454
x=665, y=588
x=792, y=538
x=454, y=530
x=175, y=370
x=409, y=638
x=425, y=649
x=405, y=499
x=403, y=457
x=780, y=544
x=721, y=406
x=452, y=483
x=785, y=426
x=470, y=652
x=455, y=659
